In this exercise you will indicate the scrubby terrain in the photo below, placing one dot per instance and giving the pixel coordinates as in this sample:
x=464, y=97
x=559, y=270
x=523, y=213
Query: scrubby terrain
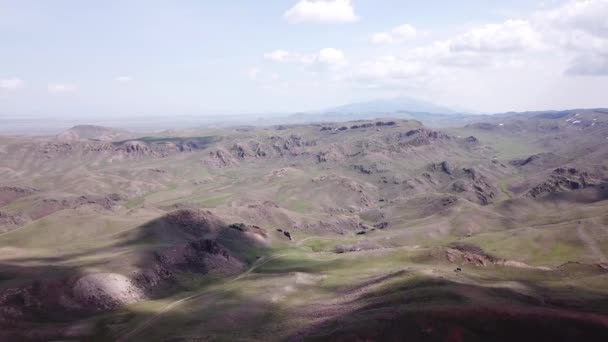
x=381, y=230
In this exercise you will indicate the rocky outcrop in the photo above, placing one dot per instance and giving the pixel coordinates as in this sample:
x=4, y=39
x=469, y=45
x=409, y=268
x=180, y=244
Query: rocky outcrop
x=9, y=222
x=385, y=123
x=358, y=191
x=363, y=125
x=358, y=247
x=566, y=179
x=196, y=223
x=294, y=145
x=48, y=206
x=83, y=294
x=249, y=229
x=163, y=147
x=135, y=148
x=484, y=191
x=469, y=254
x=360, y=126
x=536, y=160
x=424, y=136
x=381, y=225
x=72, y=297
x=201, y=256
x=369, y=169
x=332, y=153
x=273, y=147
x=11, y=193
x=219, y=159
x=57, y=148
x=250, y=150
x=471, y=140
x=80, y=295
x=462, y=254
x=465, y=181
x=443, y=166
x=417, y=137
x=106, y=291
x=339, y=225
x=241, y=152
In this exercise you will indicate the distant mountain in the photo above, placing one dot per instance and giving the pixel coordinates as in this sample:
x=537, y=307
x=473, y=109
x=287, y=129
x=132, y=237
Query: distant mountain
x=393, y=105
x=403, y=108
x=92, y=132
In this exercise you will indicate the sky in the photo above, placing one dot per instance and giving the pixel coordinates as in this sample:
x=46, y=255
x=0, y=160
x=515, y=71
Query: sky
x=72, y=58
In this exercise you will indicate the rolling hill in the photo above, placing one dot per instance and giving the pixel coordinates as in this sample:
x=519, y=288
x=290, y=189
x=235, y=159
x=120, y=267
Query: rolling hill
x=385, y=229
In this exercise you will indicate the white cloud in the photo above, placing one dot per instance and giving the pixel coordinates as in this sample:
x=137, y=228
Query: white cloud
x=465, y=60
x=579, y=41
x=390, y=72
x=12, y=83
x=60, y=88
x=321, y=11
x=123, y=79
x=382, y=38
x=388, y=67
x=327, y=58
x=589, y=65
x=441, y=53
x=494, y=45
x=498, y=46
x=579, y=29
x=255, y=74
x=278, y=56
x=510, y=63
x=570, y=39
x=512, y=35
x=586, y=15
x=397, y=35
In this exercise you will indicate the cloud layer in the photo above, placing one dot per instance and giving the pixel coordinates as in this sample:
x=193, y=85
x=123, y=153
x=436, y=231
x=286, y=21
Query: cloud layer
x=397, y=35
x=512, y=35
x=574, y=34
x=12, y=83
x=60, y=88
x=123, y=79
x=321, y=11
x=580, y=28
x=327, y=58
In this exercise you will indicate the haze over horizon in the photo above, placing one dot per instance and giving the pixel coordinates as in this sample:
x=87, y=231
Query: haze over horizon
x=122, y=59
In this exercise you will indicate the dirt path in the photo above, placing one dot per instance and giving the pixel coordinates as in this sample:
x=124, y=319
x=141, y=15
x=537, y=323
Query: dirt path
x=131, y=334
x=590, y=243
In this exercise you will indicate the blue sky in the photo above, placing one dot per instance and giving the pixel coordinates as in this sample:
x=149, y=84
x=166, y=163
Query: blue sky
x=133, y=58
